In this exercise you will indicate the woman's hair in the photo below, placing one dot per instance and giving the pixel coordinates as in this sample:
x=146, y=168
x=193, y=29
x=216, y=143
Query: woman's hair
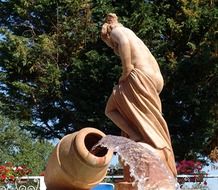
x=105, y=31
x=111, y=22
x=111, y=18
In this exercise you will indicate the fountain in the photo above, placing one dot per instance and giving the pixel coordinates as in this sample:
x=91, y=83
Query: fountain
x=80, y=162
x=147, y=169
x=135, y=107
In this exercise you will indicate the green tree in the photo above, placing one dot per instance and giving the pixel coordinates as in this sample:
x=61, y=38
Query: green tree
x=56, y=72
x=41, y=41
x=183, y=36
x=190, y=67
x=18, y=147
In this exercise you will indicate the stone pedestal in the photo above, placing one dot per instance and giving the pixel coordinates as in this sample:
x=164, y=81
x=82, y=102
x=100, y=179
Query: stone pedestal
x=126, y=183
x=124, y=186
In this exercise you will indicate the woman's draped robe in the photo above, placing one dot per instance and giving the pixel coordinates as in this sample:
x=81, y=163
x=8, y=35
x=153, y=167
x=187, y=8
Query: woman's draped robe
x=138, y=101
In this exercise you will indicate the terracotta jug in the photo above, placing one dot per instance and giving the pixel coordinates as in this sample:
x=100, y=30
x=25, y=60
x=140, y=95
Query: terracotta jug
x=72, y=166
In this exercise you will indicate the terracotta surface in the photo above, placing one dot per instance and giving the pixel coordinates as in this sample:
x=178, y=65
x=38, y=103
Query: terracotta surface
x=72, y=166
x=134, y=105
x=124, y=186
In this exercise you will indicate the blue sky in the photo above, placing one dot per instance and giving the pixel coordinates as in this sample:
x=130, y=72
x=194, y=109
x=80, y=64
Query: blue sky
x=212, y=169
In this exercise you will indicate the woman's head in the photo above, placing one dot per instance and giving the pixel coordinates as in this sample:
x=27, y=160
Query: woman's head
x=111, y=22
x=105, y=34
x=111, y=18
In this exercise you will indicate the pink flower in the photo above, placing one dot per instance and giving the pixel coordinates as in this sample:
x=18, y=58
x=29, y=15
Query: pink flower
x=189, y=167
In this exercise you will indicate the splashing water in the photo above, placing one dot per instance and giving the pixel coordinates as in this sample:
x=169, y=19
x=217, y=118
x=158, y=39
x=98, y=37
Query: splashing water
x=147, y=169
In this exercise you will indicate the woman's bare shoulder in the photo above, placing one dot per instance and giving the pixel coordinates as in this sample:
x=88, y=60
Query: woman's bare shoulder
x=118, y=34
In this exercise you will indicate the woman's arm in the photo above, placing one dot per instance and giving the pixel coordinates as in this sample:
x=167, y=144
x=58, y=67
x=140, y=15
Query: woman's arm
x=123, y=49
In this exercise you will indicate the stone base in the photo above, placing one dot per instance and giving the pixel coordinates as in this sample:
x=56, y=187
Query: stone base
x=124, y=186
x=56, y=188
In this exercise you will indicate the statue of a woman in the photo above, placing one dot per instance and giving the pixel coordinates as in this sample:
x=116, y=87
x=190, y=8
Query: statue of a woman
x=134, y=105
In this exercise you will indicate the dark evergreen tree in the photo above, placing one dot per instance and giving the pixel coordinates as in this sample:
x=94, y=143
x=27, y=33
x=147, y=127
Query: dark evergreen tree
x=57, y=73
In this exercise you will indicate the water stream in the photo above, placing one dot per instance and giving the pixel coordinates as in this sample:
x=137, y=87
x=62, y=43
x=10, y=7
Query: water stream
x=147, y=169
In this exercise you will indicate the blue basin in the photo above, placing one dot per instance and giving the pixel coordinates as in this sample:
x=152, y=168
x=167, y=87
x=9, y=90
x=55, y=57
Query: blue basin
x=104, y=186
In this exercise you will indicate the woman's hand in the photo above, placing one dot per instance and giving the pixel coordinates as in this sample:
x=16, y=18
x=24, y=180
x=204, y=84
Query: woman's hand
x=122, y=78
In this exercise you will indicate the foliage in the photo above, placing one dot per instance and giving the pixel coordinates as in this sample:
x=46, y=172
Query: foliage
x=214, y=154
x=50, y=66
x=189, y=167
x=17, y=146
x=194, y=172
x=57, y=74
x=190, y=69
x=184, y=43
x=9, y=172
